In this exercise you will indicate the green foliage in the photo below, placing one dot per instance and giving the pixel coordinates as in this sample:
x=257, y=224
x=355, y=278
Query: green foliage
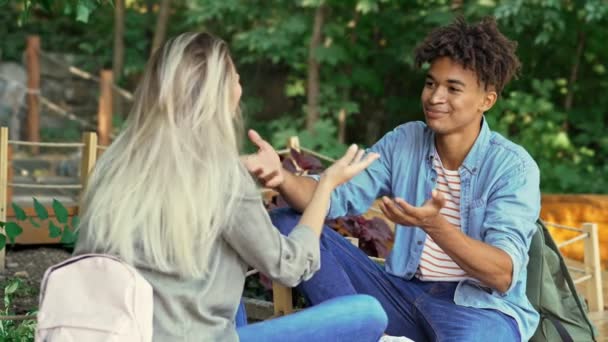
x=366, y=66
x=60, y=226
x=79, y=9
x=12, y=330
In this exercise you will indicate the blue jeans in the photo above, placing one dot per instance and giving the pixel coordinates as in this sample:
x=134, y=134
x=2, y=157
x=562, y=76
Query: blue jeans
x=351, y=318
x=422, y=311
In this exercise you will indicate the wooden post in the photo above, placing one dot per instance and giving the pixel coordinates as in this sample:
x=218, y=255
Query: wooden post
x=593, y=267
x=104, y=114
x=9, y=176
x=342, y=126
x=3, y=186
x=293, y=143
x=89, y=156
x=281, y=295
x=282, y=299
x=33, y=83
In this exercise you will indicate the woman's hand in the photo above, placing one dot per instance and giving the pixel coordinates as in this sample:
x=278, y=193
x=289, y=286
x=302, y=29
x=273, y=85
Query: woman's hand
x=265, y=164
x=348, y=166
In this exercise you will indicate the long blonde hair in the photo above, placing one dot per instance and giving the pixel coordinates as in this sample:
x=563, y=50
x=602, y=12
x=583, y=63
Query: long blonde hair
x=170, y=182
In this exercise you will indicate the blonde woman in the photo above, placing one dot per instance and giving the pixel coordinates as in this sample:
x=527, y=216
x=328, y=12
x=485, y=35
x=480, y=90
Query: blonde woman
x=172, y=197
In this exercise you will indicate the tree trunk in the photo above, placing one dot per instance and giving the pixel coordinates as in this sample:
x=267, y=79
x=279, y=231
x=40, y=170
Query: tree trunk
x=580, y=47
x=119, y=52
x=161, y=25
x=313, y=70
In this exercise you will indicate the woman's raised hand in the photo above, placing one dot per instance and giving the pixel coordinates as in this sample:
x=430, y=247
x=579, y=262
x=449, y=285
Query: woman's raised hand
x=348, y=166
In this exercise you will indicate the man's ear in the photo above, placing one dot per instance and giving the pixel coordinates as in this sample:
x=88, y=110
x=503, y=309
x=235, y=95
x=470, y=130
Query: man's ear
x=489, y=99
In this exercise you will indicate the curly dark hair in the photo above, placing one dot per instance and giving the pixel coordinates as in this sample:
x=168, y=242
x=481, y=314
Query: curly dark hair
x=480, y=47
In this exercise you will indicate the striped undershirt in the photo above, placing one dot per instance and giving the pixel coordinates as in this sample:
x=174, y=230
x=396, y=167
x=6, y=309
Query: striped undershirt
x=435, y=264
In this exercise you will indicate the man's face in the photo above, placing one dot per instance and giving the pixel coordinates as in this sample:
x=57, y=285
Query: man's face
x=453, y=100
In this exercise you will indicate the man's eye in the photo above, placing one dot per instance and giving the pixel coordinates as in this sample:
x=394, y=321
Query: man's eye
x=455, y=90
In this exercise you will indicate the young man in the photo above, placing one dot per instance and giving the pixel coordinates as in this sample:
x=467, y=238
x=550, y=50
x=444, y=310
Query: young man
x=464, y=200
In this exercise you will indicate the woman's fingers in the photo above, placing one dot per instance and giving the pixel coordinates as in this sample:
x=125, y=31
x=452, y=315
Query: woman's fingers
x=349, y=154
x=361, y=165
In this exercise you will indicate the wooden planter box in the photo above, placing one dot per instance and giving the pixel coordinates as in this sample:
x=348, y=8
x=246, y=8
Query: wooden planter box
x=33, y=235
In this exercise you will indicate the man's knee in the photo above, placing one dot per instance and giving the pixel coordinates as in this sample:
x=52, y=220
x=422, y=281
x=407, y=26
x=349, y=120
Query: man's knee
x=285, y=219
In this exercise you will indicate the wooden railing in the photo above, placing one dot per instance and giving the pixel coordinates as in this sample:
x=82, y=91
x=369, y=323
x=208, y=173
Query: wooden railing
x=592, y=268
x=89, y=148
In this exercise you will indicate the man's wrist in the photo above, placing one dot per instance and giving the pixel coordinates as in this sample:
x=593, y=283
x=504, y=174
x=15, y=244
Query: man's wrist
x=435, y=225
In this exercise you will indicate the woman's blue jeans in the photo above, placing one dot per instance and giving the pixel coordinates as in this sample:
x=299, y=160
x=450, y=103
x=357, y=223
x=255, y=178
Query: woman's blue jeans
x=422, y=311
x=349, y=318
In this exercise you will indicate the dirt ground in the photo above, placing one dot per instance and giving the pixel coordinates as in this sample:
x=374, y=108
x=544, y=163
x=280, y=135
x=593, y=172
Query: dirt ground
x=27, y=263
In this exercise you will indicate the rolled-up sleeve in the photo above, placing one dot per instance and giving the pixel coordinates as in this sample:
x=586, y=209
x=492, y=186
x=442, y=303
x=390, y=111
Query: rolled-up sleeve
x=511, y=215
x=286, y=259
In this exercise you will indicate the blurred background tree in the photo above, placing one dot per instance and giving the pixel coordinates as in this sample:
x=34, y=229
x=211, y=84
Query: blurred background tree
x=341, y=71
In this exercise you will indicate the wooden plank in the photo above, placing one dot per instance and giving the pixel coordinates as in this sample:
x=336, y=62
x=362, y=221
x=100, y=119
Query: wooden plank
x=33, y=83
x=104, y=114
x=31, y=212
x=282, y=299
x=594, y=268
x=89, y=156
x=33, y=235
x=3, y=185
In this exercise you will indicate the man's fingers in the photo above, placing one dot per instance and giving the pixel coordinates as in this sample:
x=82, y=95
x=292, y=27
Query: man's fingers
x=386, y=213
x=438, y=199
x=405, y=207
x=392, y=208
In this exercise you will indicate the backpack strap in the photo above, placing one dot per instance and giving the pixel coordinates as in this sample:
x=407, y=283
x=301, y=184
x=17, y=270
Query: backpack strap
x=561, y=330
x=571, y=286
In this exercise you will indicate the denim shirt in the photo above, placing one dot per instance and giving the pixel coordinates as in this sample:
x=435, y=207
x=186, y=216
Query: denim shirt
x=500, y=202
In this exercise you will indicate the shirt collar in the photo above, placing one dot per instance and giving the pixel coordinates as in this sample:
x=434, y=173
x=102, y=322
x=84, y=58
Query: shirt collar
x=473, y=159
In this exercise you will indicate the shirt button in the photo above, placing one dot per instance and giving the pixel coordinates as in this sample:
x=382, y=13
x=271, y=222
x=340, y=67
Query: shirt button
x=409, y=274
x=419, y=243
x=433, y=179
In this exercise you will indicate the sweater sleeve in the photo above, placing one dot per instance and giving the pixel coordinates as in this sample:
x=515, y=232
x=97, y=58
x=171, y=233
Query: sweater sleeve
x=287, y=259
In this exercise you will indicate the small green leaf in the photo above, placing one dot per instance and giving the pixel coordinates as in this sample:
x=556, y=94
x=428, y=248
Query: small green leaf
x=75, y=221
x=54, y=231
x=2, y=241
x=40, y=210
x=19, y=213
x=60, y=212
x=33, y=222
x=12, y=287
x=84, y=9
x=12, y=230
x=68, y=236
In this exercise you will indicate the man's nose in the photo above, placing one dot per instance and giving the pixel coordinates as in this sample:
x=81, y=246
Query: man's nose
x=438, y=95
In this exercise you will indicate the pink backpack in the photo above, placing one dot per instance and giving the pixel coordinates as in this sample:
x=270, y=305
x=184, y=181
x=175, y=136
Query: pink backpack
x=94, y=297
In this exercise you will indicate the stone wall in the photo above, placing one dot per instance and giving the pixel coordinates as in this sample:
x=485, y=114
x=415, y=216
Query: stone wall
x=70, y=92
